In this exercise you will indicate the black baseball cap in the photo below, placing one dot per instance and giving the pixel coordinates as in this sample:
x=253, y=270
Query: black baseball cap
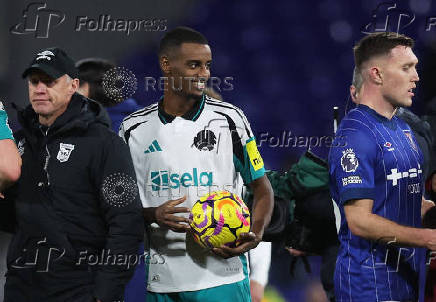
x=54, y=62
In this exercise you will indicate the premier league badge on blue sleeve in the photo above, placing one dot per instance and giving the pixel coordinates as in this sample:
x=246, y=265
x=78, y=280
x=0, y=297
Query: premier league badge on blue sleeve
x=349, y=161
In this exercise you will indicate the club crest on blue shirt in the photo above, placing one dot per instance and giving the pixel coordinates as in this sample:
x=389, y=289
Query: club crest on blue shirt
x=64, y=152
x=1, y=106
x=349, y=161
x=411, y=142
x=205, y=140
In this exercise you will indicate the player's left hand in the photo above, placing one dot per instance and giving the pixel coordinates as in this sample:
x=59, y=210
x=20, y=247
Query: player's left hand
x=246, y=242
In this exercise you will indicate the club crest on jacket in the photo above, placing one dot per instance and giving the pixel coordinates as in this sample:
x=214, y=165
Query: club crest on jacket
x=64, y=152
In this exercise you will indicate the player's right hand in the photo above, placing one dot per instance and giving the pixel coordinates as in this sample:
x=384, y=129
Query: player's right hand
x=165, y=215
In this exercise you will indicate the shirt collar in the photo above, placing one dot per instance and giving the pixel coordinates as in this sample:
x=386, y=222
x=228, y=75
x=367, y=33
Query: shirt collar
x=193, y=114
x=390, y=123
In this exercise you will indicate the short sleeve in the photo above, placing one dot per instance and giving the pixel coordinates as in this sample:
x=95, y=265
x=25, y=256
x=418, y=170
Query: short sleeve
x=351, y=164
x=246, y=157
x=5, y=131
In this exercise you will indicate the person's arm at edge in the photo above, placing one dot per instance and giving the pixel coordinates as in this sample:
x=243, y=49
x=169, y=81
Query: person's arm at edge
x=263, y=203
x=363, y=223
x=10, y=163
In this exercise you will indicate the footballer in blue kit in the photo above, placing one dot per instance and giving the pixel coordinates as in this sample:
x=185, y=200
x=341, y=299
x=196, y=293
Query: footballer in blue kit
x=376, y=180
x=381, y=161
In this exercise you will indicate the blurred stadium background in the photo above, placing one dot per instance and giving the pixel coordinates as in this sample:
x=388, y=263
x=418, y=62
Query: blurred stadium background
x=290, y=63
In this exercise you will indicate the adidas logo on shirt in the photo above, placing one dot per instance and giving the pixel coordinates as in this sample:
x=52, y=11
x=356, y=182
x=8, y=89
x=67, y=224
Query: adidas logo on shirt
x=154, y=147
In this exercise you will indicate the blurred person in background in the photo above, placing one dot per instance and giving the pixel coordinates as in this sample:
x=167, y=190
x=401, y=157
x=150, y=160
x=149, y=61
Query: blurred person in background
x=260, y=261
x=91, y=75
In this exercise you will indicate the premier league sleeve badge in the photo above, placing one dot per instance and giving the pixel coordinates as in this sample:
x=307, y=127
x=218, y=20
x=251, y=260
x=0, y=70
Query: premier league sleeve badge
x=349, y=161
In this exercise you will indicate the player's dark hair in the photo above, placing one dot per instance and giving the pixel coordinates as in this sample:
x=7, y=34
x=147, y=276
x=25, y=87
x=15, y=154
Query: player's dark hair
x=92, y=70
x=175, y=37
x=377, y=44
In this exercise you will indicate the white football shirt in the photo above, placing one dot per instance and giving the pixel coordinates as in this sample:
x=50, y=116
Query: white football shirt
x=202, y=151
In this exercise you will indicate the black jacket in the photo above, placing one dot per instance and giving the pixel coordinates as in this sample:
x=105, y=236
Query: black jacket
x=78, y=217
x=430, y=117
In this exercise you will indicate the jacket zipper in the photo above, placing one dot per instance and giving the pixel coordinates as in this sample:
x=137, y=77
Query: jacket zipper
x=47, y=158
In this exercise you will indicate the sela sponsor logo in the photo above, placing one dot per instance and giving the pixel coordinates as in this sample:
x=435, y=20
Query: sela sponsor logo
x=388, y=145
x=164, y=180
x=397, y=175
x=349, y=161
x=354, y=179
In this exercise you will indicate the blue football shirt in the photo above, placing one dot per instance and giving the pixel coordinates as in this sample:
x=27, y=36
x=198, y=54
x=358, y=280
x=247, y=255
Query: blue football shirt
x=376, y=158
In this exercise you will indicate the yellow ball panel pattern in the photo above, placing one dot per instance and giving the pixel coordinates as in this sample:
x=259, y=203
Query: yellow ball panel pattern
x=218, y=218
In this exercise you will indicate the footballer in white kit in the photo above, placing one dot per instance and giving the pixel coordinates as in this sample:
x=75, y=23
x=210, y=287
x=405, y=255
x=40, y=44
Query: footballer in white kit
x=203, y=148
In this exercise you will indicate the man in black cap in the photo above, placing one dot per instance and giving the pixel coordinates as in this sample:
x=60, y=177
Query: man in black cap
x=77, y=207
